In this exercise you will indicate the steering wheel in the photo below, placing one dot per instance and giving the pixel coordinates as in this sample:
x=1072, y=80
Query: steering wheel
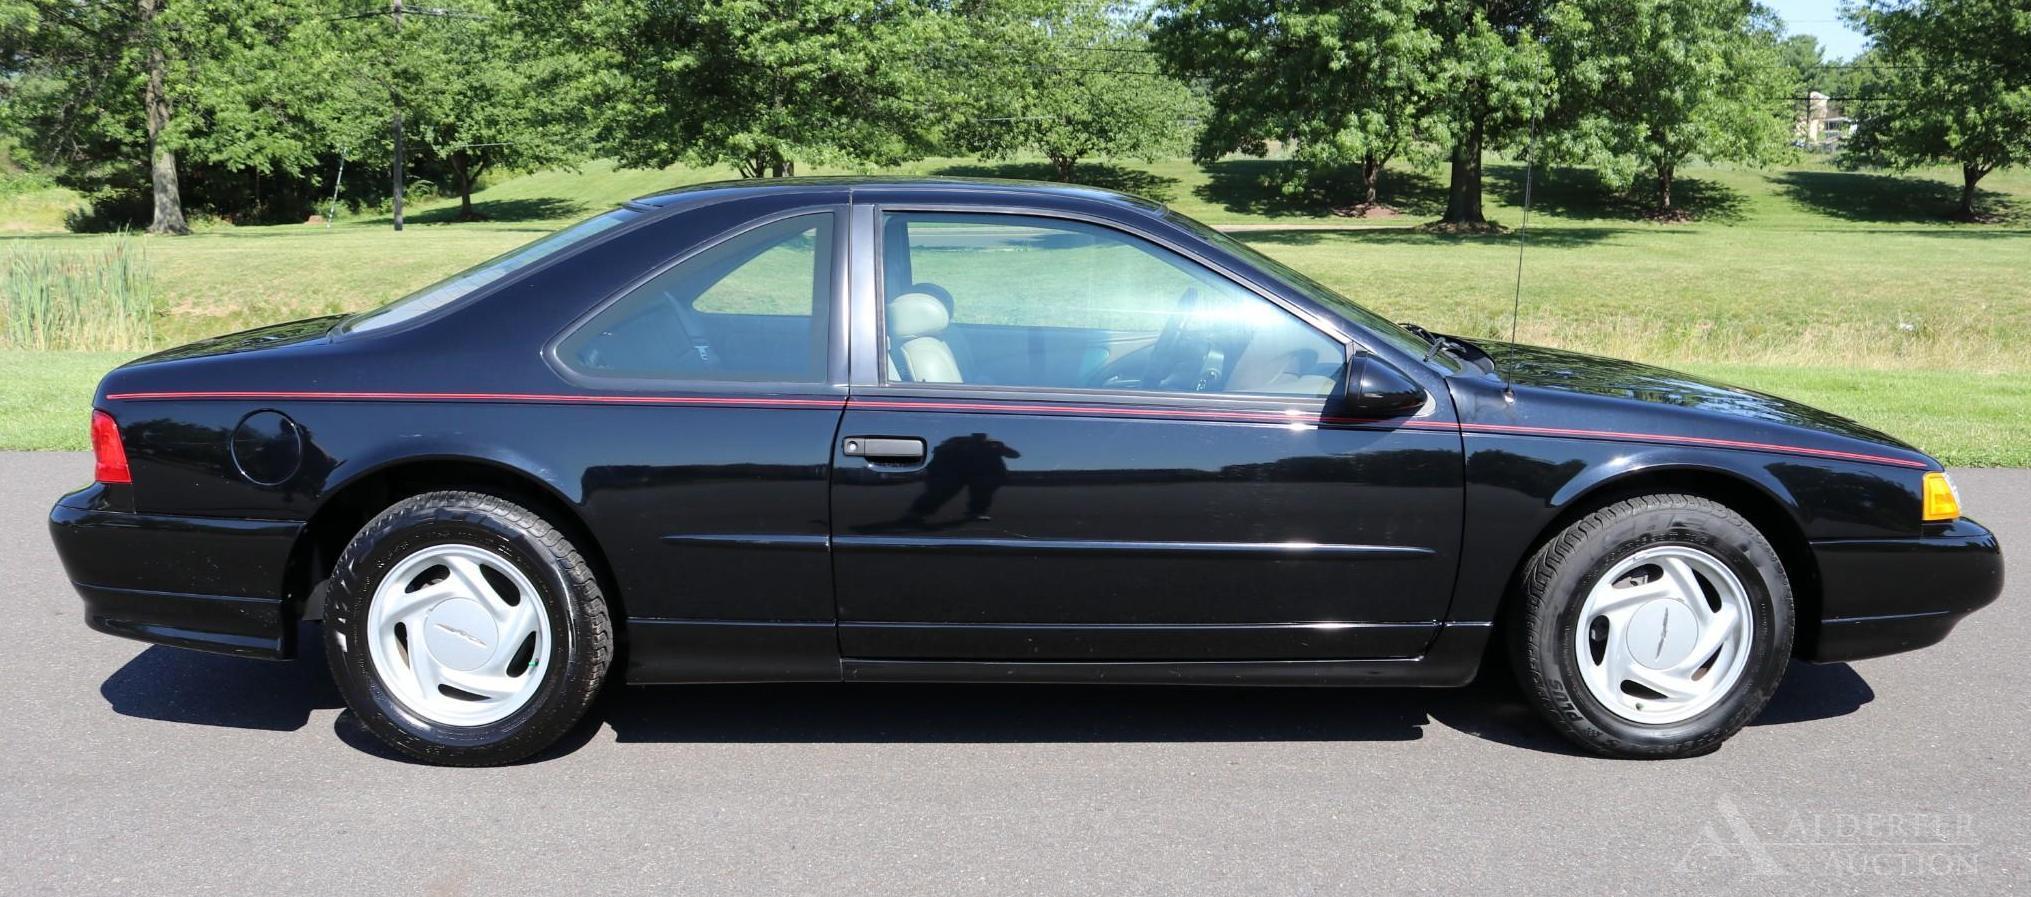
x=1164, y=355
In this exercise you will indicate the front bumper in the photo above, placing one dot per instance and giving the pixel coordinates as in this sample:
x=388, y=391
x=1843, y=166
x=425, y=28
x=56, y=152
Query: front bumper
x=215, y=584
x=1883, y=596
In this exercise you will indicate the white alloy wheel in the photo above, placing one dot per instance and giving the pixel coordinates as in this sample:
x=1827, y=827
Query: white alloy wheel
x=1664, y=635
x=456, y=633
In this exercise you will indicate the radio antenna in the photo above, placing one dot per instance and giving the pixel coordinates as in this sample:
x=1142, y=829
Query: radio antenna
x=1529, y=163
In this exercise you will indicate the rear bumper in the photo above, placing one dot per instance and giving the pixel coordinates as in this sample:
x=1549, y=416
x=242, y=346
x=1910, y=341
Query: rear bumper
x=215, y=584
x=1883, y=596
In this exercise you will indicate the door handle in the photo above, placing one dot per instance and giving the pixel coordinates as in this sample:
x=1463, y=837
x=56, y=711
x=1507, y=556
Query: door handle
x=884, y=448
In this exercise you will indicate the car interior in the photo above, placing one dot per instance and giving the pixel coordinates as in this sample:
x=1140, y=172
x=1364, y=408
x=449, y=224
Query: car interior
x=736, y=311
x=1212, y=337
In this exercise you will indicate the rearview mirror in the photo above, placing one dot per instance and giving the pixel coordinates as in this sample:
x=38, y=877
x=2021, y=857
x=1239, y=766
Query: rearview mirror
x=1374, y=388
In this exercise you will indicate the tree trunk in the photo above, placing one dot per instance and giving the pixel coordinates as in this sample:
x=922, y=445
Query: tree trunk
x=1064, y=164
x=765, y=163
x=398, y=170
x=461, y=168
x=396, y=167
x=161, y=162
x=1664, y=173
x=1371, y=176
x=1463, y=192
x=1970, y=175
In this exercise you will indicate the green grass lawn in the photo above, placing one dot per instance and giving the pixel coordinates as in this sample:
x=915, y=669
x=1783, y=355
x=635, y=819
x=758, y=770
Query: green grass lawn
x=1966, y=419
x=35, y=210
x=1841, y=289
x=46, y=399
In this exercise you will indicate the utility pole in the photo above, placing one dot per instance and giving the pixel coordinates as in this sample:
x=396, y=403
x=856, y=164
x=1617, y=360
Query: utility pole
x=395, y=13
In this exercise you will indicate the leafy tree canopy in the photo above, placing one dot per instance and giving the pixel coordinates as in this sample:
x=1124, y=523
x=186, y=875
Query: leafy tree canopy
x=469, y=83
x=1069, y=79
x=1957, y=79
x=1493, y=83
x=759, y=84
x=1648, y=85
x=1341, y=83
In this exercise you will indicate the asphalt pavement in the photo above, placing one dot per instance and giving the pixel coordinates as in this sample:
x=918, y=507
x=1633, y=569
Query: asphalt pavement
x=131, y=769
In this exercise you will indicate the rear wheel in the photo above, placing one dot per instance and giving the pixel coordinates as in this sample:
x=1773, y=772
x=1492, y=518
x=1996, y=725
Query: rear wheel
x=466, y=630
x=1655, y=627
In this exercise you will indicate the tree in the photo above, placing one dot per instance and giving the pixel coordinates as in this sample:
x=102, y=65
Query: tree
x=760, y=84
x=1345, y=83
x=1652, y=84
x=106, y=42
x=1065, y=78
x=156, y=106
x=1803, y=61
x=467, y=85
x=123, y=98
x=1961, y=87
x=487, y=112
x=1492, y=83
x=80, y=93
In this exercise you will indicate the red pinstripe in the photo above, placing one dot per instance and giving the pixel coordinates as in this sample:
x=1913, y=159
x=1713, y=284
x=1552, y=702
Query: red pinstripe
x=1239, y=415
x=736, y=401
x=1695, y=440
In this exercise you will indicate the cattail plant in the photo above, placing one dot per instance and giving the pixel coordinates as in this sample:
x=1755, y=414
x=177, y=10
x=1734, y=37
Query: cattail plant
x=98, y=298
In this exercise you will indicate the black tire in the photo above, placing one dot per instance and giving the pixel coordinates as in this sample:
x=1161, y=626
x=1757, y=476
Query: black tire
x=581, y=645
x=1557, y=579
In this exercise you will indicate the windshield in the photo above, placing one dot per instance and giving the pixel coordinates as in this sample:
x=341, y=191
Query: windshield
x=1313, y=290
x=462, y=284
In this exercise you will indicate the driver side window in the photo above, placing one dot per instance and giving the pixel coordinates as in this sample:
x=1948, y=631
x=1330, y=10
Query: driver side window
x=1011, y=300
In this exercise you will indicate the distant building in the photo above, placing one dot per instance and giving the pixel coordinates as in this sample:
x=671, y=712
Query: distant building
x=1817, y=129
x=1835, y=132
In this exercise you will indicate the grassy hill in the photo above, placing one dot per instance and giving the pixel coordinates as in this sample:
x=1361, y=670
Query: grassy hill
x=1842, y=289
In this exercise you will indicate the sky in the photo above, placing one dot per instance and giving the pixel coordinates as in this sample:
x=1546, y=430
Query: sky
x=1821, y=19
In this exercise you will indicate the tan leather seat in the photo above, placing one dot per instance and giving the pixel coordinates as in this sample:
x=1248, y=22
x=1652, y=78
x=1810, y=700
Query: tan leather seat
x=1281, y=361
x=917, y=354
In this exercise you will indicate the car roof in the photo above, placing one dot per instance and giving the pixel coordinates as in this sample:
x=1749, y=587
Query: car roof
x=983, y=191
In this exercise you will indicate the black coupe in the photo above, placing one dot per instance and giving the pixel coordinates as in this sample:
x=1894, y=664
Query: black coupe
x=967, y=431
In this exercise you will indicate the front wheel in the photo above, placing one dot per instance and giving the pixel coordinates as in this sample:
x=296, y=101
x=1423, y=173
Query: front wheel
x=466, y=630
x=1655, y=627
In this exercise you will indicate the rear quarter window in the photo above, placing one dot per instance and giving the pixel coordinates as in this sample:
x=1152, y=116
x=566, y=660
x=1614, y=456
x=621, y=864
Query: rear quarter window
x=458, y=286
x=752, y=308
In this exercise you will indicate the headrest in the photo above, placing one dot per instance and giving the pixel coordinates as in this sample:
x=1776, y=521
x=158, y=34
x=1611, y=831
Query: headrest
x=925, y=286
x=912, y=315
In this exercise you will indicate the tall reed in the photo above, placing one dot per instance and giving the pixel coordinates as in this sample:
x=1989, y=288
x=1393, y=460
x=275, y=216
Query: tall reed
x=101, y=297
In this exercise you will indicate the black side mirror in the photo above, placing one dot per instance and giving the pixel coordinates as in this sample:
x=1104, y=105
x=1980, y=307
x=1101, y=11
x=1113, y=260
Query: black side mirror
x=1376, y=389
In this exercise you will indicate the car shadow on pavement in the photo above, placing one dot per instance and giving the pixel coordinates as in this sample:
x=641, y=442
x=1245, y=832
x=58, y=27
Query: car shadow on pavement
x=175, y=685
x=1812, y=691
x=182, y=686
x=1491, y=708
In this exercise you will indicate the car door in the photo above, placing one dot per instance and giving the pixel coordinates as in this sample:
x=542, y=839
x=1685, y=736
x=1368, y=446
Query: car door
x=1075, y=442
x=721, y=377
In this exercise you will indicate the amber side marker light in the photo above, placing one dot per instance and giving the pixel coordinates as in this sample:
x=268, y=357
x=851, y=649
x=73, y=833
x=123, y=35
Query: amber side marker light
x=1942, y=500
x=109, y=454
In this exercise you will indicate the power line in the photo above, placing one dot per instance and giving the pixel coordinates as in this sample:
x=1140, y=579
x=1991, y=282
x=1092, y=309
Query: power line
x=1037, y=67
x=1086, y=49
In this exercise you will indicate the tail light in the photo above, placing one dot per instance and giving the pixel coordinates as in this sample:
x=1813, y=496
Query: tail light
x=107, y=451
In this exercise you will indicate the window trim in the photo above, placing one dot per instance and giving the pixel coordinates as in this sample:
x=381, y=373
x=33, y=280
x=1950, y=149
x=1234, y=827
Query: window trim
x=831, y=380
x=876, y=375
